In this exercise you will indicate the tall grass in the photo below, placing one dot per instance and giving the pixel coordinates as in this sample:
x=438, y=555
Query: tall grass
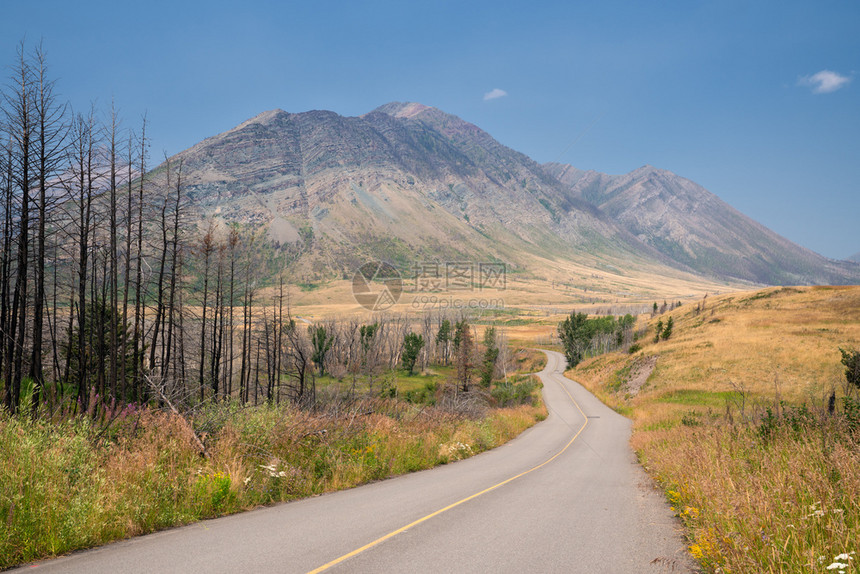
x=67, y=485
x=779, y=495
x=763, y=482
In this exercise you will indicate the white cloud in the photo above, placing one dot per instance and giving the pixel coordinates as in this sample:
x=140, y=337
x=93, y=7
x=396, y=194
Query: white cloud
x=824, y=82
x=497, y=93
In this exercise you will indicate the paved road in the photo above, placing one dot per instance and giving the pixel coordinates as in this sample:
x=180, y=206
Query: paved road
x=579, y=503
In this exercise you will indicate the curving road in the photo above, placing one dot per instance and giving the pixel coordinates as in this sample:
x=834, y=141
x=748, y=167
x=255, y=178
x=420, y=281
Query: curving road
x=565, y=496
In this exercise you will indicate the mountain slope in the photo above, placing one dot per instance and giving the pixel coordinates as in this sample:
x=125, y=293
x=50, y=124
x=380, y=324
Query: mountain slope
x=405, y=183
x=410, y=184
x=686, y=222
x=855, y=258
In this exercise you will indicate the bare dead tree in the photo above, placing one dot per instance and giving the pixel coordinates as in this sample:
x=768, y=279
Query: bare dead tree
x=113, y=271
x=50, y=141
x=139, y=307
x=297, y=356
x=80, y=186
x=206, y=250
x=164, y=252
x=217, y=324
x=22, y=127
x=6, y=265
x=233, y=242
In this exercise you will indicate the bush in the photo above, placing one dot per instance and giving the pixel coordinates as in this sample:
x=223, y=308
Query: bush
x=515, y=392
x=851, y=360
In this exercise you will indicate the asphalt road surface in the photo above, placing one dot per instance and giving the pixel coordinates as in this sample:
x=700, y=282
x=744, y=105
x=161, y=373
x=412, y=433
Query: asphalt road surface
x=565, y=496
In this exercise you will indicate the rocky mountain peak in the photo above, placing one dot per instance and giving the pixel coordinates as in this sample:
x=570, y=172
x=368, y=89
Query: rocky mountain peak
x=403, y=109
x=264, y=118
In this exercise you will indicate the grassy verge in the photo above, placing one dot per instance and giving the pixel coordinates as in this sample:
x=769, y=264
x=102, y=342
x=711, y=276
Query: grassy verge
x=733, y=421
x=777, y=496
x=529, y=360
x=67, y=486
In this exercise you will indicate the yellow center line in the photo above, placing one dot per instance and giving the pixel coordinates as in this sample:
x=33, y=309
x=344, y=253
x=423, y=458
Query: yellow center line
x=382, y=539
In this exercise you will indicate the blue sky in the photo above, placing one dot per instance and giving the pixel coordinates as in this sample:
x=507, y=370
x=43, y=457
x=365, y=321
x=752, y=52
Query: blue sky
x=757, y=101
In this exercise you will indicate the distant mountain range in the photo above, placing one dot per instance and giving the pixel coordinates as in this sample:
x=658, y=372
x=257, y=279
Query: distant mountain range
x=686, y=222
x=855, y=258
x=409, y=183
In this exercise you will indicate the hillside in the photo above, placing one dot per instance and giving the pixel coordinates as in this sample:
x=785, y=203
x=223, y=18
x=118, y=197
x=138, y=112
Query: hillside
x=736, y=424
x=404, y=183
x=777, y=341
x=694, y=227
x=410, y=184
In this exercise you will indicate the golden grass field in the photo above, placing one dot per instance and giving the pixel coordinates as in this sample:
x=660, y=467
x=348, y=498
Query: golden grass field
x=733, y=423
x=774, y=343
x=558, y=288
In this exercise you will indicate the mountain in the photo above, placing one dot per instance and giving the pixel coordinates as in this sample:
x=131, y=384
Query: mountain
x=408, y=184
x=855, y=258
x=404, y=183
x=694, y=227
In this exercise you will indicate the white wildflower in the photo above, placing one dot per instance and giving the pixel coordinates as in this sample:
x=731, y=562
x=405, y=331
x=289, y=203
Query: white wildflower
x=843, y=556
x=837, y=565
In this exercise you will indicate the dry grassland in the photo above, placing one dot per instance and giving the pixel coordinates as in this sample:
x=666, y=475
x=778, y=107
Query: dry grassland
x=733, y=422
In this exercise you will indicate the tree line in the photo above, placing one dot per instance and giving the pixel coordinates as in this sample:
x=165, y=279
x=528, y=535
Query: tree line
x=582, y=336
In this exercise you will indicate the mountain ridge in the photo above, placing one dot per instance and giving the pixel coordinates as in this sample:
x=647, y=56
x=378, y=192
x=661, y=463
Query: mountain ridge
x=695, y=227
x=407, y=182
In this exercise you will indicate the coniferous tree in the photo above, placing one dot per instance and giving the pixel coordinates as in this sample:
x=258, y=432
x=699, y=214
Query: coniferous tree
x=491, y=353
x=659, y=331
x=443, y=338
x=465, y=360
x=667, y=330
x=412, y=345
x=321, y=340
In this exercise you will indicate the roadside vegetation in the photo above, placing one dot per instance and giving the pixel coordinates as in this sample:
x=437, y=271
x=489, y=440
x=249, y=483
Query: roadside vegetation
x=748, y=415
x=75, y=481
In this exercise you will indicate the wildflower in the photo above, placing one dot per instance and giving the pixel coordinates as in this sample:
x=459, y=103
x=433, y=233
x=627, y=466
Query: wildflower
x=843, y=556
x=839, y=565
x=247, y=480
x=696, y=551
